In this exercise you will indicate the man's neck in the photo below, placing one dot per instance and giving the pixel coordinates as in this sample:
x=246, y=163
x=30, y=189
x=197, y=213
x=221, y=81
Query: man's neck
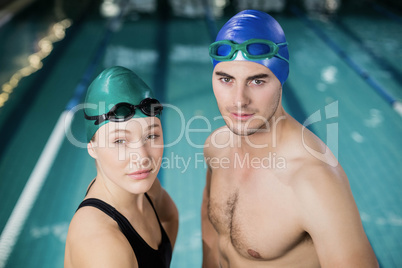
x=266, y=138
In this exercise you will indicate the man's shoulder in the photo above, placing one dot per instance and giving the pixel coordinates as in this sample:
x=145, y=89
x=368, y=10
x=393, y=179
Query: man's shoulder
x=308, y=152
x=217, y=140
x=315, y=180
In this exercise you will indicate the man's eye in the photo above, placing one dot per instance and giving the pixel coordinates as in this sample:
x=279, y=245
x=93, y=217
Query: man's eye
x=257, y=82
x=226, y=79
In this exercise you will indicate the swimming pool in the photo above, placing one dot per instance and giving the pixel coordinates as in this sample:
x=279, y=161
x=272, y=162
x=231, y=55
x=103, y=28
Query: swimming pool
x=334, y=61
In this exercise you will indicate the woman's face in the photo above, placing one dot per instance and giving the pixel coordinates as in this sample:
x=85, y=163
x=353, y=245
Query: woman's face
x=128, y=154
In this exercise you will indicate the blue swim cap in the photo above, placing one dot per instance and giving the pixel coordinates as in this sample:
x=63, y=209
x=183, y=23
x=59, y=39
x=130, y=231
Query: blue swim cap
x=254, y=24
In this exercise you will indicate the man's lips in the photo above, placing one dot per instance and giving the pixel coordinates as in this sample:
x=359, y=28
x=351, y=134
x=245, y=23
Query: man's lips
x=140, y=174
x=241, y=116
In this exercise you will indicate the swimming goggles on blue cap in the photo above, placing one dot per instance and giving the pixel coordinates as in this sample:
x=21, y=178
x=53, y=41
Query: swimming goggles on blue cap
x=253, y=49
x=124, y=111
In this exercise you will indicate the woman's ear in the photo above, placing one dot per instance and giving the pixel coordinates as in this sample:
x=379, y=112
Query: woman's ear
x=91, y=151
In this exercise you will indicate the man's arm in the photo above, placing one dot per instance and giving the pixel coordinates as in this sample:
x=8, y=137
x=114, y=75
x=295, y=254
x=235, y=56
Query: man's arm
x=329, y=214
x=210, y=257
x=166, y=209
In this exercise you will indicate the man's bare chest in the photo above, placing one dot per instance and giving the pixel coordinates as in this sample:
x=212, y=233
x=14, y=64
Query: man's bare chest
x=255, y=211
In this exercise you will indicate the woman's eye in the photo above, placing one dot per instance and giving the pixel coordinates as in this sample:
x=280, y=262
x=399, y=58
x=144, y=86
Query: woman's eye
x=120, y=141
x=152, y=136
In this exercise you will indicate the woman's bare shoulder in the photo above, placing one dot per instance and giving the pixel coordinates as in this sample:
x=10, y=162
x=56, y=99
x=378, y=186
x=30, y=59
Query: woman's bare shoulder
x=95, y=240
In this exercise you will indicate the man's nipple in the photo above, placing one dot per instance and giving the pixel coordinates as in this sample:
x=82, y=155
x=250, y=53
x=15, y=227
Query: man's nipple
x=254, y=254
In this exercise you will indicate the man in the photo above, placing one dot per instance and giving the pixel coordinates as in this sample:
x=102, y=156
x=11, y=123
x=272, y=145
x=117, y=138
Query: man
x=297, y=212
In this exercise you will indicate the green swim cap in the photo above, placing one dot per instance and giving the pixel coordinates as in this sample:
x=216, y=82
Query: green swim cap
x=112, y=86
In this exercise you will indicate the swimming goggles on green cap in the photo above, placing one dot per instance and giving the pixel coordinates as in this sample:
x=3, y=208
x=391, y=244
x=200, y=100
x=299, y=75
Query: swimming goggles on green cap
x=253, y=49
x=124, y=111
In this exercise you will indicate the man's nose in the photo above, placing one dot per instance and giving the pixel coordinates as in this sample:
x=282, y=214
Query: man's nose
x=241, y=98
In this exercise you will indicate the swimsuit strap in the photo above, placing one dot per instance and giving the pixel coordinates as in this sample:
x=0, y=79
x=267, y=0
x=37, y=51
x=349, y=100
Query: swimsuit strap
x=90, y=186
x=152, y=205
x=165, y=238
x=112, y=212
x=124, y=225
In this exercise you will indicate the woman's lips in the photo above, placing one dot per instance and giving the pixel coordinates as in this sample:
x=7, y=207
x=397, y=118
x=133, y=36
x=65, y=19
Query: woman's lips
x=140, y=174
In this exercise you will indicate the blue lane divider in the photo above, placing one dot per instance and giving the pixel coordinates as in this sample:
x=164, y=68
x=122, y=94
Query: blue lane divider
x=396, y=75
x=160, y=76
x=342, y=54
x=294, y=106
x=82, y=86
x=210, y=21
x=386, y=12
x=161, y=40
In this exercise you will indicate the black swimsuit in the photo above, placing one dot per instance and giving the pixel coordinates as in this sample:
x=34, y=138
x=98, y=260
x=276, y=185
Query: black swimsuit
x=146, y=256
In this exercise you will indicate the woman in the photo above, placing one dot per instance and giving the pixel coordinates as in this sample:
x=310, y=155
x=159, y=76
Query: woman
x=126, y=218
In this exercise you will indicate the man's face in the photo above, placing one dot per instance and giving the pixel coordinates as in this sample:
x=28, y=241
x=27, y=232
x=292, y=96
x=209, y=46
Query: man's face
x=248, y=95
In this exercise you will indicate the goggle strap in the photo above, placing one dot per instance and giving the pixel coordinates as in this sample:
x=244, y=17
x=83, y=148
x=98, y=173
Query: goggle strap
x=89, y=117
x=282, y=58
x=103, y=117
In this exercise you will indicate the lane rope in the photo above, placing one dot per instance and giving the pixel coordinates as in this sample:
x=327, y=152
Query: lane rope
x=395, y=104
x=20, y=213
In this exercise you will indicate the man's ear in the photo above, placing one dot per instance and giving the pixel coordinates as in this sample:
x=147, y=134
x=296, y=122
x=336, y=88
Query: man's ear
x=91, y=151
